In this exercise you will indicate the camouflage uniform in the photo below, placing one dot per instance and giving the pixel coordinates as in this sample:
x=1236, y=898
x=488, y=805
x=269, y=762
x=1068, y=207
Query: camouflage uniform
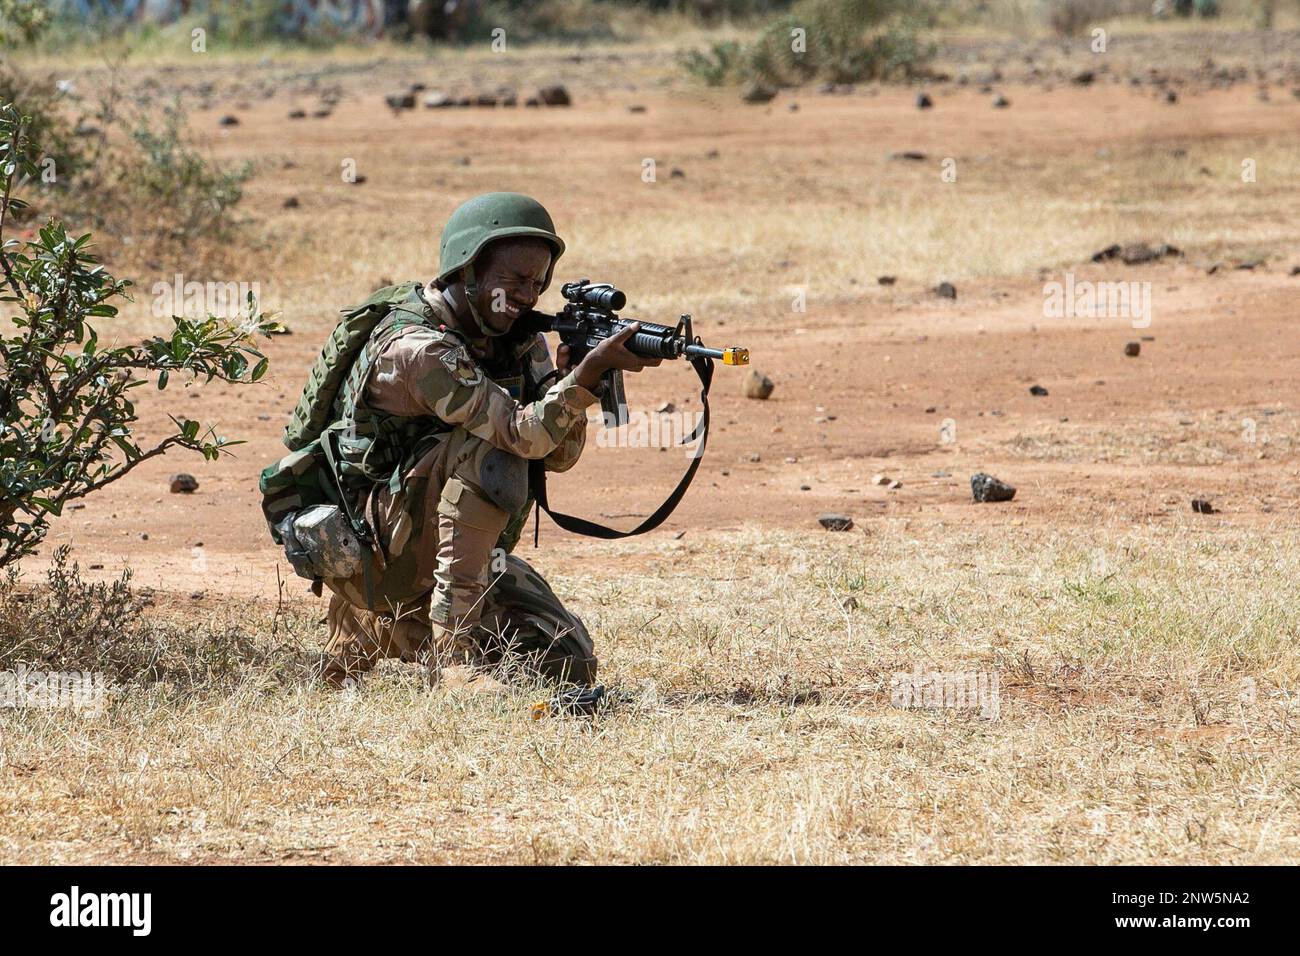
x=438, y=589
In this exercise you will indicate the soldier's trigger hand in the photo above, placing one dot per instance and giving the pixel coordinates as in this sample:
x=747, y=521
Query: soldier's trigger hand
x=563, y=359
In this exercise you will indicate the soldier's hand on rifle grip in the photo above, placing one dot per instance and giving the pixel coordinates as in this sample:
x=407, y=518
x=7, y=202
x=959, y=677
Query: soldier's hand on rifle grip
x=563, y=359
x=612, y=353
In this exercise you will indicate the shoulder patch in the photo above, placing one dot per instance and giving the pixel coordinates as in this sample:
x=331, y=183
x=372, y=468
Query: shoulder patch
x=463, y=369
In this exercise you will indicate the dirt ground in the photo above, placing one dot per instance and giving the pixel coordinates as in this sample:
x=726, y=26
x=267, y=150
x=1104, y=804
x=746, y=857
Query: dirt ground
x=874, y=379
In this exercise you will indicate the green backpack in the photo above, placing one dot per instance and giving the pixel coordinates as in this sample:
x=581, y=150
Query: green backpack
x=316, y=408
x=315, y=472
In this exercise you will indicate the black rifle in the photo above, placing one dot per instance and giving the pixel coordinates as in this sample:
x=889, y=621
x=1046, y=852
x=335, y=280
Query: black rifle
x=590, y=317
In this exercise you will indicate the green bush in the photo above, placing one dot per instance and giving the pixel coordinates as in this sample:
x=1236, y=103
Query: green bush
x=22, y=21
x=66, y=415
x=1070, y=18
x=186, y=195
x=843, y=41
x=716, y=66
x=127, y=175
x=50, y=133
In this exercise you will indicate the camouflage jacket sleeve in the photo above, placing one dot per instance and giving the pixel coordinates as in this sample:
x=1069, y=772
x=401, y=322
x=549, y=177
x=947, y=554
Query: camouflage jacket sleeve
x=429, y=373
x=569, y=449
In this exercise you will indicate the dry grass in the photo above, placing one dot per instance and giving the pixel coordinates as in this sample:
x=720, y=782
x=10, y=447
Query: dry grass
x=1144, y=717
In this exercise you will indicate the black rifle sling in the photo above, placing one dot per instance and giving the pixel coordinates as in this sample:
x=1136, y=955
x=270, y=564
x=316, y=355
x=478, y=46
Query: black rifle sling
x=537, y=476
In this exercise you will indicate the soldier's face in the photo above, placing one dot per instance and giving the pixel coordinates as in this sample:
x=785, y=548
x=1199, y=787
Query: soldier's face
x=510, y=276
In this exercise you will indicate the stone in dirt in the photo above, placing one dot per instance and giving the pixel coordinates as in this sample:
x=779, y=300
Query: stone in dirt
x=1000, y=102
x=923, y=101
x=1136, y=253
x=183, y=484
x=1202, y=507
x=886, y=280
x=912, y=155
x=833, y=521
x=437, y=100
x=1133, y=349
x=554, y=95
x=946, y=290
x=756, y=385
x=400, y=101
x=228, y=121
x=880, y=479
x=984, y=487
x=1037, y=390
x=292, y=203
x=756, y=92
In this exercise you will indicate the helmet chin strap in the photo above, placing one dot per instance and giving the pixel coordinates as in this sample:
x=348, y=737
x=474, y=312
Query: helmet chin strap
x=471, y=293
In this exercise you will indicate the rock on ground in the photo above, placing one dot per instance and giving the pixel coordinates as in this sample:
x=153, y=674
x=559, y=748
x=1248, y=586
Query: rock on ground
x=833, y=521
x=985, y=487
x=756, y=385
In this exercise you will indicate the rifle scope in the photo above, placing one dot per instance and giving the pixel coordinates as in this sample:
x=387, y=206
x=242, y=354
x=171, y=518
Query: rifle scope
x=602, y=296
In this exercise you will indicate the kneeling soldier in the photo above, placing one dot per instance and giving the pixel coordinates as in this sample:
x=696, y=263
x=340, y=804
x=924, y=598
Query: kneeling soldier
x=448, y=403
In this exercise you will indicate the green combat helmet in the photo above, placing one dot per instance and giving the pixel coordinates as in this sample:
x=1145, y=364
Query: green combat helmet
x=481, y=220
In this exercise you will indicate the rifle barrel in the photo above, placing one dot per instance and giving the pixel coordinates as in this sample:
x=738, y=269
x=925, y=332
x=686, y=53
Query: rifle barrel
x=731, y=356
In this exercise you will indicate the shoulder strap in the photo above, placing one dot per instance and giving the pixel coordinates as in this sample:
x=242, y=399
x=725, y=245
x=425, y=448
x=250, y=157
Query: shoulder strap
x=537, y=477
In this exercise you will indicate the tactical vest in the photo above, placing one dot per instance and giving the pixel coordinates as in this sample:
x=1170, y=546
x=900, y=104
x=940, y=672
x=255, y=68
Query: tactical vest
x=316, y=407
